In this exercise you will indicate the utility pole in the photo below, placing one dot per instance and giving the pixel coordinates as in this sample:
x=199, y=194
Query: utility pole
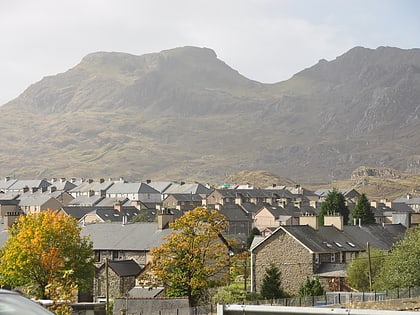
x=370, y=266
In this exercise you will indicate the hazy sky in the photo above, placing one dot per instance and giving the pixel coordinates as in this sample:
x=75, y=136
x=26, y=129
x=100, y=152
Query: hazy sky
x=265, y=40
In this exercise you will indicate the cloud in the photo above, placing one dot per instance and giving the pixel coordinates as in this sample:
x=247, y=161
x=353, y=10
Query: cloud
x=265, y=40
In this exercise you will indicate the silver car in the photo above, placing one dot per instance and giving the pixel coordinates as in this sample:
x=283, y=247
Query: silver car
x=12, y=303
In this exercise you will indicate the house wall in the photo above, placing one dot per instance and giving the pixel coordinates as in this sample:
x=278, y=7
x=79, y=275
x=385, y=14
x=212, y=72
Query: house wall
x=264, y=219
x=118, y=286
x=141, y=257
x=294, y=261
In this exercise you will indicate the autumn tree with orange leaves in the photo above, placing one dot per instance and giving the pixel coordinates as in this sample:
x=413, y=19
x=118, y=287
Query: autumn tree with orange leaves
x=194, y=257
x=45, y=251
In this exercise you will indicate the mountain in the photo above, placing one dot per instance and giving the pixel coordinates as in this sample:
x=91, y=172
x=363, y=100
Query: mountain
x=184, y=114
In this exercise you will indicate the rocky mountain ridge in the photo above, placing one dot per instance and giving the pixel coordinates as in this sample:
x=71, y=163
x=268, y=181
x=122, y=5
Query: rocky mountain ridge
x=185, y=114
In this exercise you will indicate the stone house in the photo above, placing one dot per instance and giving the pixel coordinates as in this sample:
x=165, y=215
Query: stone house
x=37, y=202
x=308, y=250
x=118, y=242
x=32, y=185
x=182, y=202
x=273, y=216
x=122, y=275
x=134, y=192
x=255, y=196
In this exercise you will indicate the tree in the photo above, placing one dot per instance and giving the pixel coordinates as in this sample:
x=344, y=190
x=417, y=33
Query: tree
x=254, y=231
x=45, y=251
x=358, y=270
x=401, y=266
x=334, y=203
x=311, y=287
x=271, y=284
x=193, y=258
x=363, y=211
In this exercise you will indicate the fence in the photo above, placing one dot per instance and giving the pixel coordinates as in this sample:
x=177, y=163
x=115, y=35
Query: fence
x=329, y=298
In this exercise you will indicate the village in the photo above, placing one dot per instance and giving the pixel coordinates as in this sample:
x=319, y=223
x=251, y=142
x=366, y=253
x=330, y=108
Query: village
x=125, y=220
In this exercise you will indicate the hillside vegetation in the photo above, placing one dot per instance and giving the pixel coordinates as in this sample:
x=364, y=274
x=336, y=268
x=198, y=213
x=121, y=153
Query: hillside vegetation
x=183, y=114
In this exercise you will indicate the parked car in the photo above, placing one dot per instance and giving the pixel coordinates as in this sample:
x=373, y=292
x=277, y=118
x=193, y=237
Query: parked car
x=12, y=303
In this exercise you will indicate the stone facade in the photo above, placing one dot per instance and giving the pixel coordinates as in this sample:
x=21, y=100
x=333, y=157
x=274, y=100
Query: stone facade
x=118, y=286
x=293, y=260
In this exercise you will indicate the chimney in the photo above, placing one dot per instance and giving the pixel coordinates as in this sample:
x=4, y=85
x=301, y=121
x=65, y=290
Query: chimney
x=164, y=218
x=90, y=180
x=101, y=180
x=118, y=206
x=309, y=219
x=53, y=180
x=374, y=204
x=34, y=189
x=52, y=188
x=62, y=179
x=334, y=220
x=7, y=178
x=148, y=181
x=91, y=193
x=313, y=204
x=25, y=189
x=298, y=203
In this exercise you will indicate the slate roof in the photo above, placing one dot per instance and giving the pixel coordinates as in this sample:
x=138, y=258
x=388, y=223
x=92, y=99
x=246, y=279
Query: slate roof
x=30, y=183
x=29, y=199
x=110, y=202
x=131, y=188
x=125, y=268
x=194, y=188
x=159, y=186
x=109, y=214
x=252, y=207
x=6, y=183
x=332, y=270
x=63, y=185
x=86, y=200
x=132, y=236
x=186, y=197
x=234, y=213
x=145, y=292
x=256, y=193
x=328, y=239
x=77, y=212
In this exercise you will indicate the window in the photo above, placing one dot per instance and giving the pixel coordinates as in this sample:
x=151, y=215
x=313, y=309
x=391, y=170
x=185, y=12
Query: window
x=332, y=257
x=97, y=256
x=317, y=258
x=115, y=255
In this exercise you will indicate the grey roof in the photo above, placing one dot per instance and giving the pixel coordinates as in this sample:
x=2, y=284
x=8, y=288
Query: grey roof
x=195, y=188
x=186, y=197
x=77, y=212
x=145, y=292
x=63, y=185
x=325, y=192
x=110, y=202
x=133, y=236
x=328, y=239
x=109, y=214
x=256, y=193
x=159, y=186
x=6, y=183
x=86, y=200
x=29, y=199
x=125, y=268
x=30, y=183
x=234, y=213
x=131, y=188
x=252, y=207
x=332, y=270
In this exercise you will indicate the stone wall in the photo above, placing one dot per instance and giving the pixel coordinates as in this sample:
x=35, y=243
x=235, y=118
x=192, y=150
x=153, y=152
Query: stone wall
x=152, y=306
x=293, y=260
